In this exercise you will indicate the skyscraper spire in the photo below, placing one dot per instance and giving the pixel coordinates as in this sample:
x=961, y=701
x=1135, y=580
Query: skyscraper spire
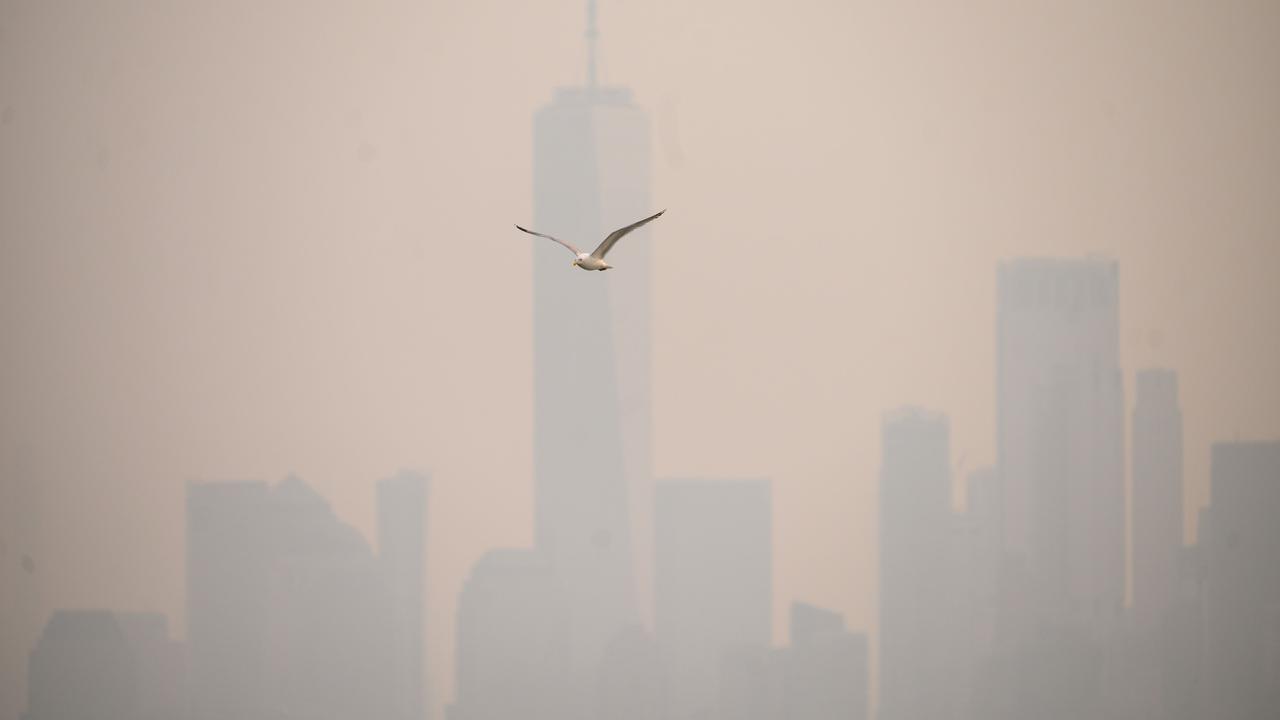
x=591, y=44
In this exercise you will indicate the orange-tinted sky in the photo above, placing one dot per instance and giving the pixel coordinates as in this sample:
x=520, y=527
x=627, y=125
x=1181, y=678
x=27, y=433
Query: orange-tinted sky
x=241, y=239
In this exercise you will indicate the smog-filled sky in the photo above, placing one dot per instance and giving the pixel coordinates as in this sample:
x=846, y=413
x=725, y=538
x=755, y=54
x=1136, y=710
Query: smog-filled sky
x=240, y=240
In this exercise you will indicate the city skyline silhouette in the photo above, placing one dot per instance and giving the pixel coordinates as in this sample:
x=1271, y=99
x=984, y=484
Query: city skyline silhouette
x=991, y=330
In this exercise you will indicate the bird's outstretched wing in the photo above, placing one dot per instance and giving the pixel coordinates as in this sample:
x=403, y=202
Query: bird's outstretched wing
x=616, y=235
x=572, y=249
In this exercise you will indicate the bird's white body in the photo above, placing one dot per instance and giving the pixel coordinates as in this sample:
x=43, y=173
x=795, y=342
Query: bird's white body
x=586, y=262
x=595, y=259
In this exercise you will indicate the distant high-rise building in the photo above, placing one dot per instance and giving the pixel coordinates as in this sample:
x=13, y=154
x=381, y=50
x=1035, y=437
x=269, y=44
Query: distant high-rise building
x=329, y=646
x=713, y=581
x=161, y=663
x=513, y=641
x=228, y=566
x=915, y=526
x=1182, y=643
x=82, y=667
x=1240, y=536
x=592, y=358
x=827, y=668
x=289, y=613
x=1157, y=494
x=974, y=560
x=1060, y=434
x=330, y=649
x=402, y=506
x=978, y=556
x=751, y=683
x=99, y=665
x=632, y=684
x=823, y=674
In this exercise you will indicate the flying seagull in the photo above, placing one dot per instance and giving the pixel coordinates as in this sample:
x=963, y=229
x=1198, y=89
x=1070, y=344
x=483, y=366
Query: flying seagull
x=595, y=260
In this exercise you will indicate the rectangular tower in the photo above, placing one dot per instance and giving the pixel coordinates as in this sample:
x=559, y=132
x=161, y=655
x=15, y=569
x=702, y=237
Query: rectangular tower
x=915, y=527
x=591, y=359
x=1157, y=493
x=402, y=506
x=1060, y=432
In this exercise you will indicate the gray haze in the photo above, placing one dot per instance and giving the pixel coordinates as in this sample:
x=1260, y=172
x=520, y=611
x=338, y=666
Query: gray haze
x=984, y=292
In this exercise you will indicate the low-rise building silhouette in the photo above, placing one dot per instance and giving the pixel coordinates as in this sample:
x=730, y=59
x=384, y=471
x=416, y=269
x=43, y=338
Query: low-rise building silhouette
x=826, y=670
x=1240, y=537
x=101, y=665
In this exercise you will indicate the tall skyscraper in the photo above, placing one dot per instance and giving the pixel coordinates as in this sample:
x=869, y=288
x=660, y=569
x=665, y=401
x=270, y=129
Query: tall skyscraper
x=713, y=580
x=1060, y=434
x=915, y=525
x=1157, y=494
x=513, y=641
x=591, y=358
x=402, y=506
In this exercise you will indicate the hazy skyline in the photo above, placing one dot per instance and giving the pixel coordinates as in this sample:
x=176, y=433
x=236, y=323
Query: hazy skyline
x=238, y=241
